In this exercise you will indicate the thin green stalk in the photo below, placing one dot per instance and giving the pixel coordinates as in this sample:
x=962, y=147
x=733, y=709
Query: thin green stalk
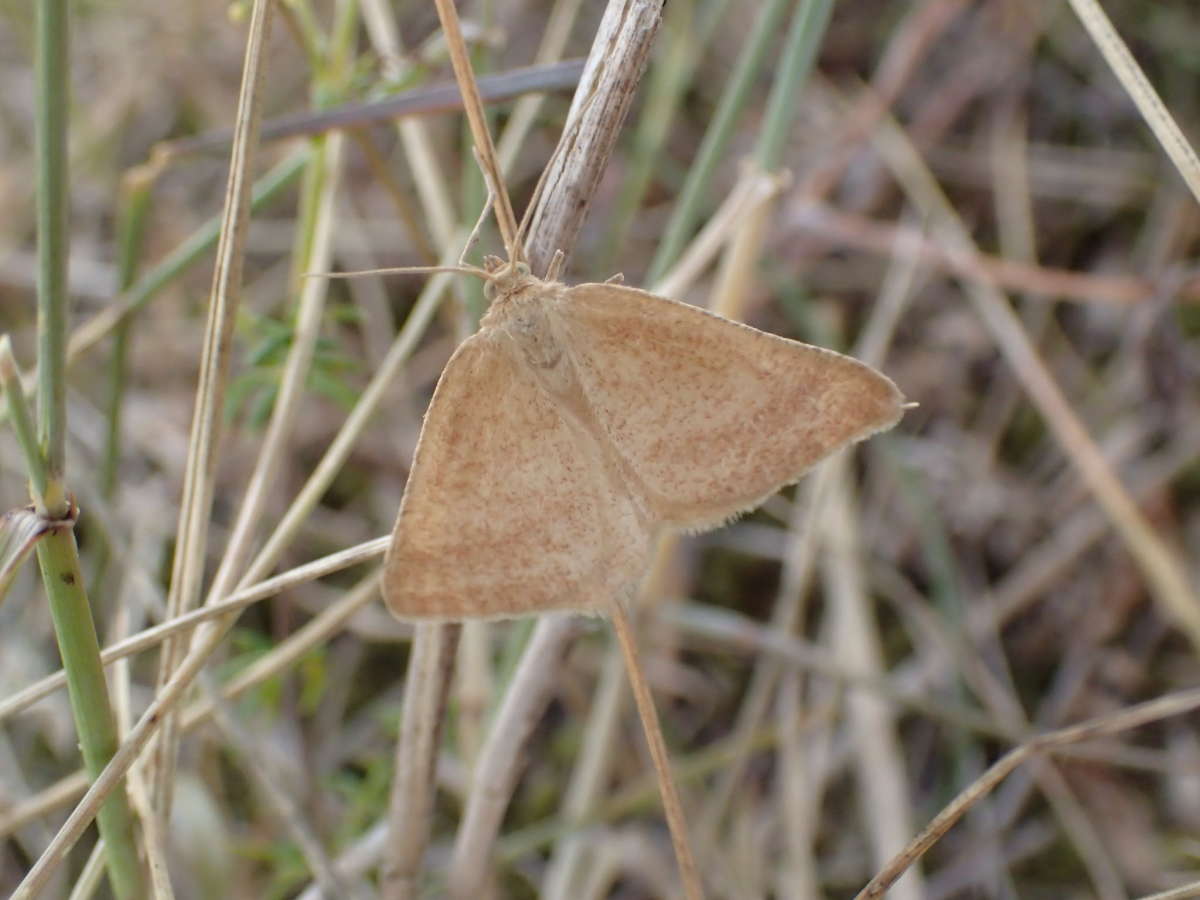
x=311, y=187
x=22, y=421
x=186, y=254
x=52, y=103
x=131, y=228
x=340, y=57
x=134, y=200
x=744, y=252
x=307, y=31
x=58, y=558
x=687, y=209
x=799, y=53
x=58, y=555
x=683, y=44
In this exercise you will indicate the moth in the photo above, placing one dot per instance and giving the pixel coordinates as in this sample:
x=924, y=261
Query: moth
x=579, y=422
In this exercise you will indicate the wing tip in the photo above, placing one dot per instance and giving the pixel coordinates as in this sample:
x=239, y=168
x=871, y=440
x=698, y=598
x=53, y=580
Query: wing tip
x=877, y=405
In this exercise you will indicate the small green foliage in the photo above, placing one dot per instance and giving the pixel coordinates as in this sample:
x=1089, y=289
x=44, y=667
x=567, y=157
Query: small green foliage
x=266, y=699
x=314, y=679
x=282, y=863
x=796, y=303
x=252, y=393
x=363, y=792
x=409, y=77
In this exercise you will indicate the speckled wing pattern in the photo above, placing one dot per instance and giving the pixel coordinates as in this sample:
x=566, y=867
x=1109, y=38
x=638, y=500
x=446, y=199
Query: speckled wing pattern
x=508, y=508
x=711, y=415
x=579, y=421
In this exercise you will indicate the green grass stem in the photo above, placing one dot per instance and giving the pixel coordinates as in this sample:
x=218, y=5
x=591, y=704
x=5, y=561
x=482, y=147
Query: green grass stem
x=58, y=558
x=799, y=53
x=52, y=105
x=131, y=228
x=21, y=418
x=57, y=553
x=685, y=34
x=716, y=139
x=204, y=238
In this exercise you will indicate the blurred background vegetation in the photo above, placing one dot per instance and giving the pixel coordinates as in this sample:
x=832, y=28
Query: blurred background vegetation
x=1000, y=597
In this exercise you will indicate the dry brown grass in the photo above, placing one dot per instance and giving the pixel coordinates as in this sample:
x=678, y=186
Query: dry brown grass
x=1018, y=557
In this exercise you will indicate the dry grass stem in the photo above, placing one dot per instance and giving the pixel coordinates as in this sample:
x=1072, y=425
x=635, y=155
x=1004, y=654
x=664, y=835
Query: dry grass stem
x=879, y=766
x=153, y=636
x=430, y=664
x=291, y=388
x=1159, y=562
x=672, y=806
x=925, y=619
x=1044, y=282
x=1183, y=892
x=195, y=508
x=589, y=778
x=283, y=657
x=1130, y=74
x=473, y=107
x=614, y=68
x=530, y=689
x=752, y=192
x=1134, y=717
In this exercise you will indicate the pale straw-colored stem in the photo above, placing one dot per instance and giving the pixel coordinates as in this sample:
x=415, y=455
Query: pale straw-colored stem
x=533, y=685
x=427, y=176
x=614, y=68
x=1149, y=104
x=195, y=508
x=151, y=637
x=588, y=778
x=210, y=637
x=1156, y=710
x=473, y=106
x=885, y=802
x=692, y=887
x=612, y=73
x=415, y=781
x=1164, y=572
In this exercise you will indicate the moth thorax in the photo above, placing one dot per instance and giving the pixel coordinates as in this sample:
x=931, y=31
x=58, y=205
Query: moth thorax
x=524, y=318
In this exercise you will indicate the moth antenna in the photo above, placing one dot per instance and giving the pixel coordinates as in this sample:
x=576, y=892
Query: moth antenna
x=404, y=270
x=473, y=105
x=555, y=266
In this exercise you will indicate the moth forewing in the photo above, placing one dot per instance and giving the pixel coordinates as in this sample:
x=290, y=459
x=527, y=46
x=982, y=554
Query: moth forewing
x=507, y=510
x=580, y=421
x=713, y=416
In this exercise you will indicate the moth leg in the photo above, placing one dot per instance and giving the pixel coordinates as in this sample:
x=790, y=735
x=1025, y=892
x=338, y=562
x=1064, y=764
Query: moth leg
x=619, y=278
x=483, y=214
x=555, y=266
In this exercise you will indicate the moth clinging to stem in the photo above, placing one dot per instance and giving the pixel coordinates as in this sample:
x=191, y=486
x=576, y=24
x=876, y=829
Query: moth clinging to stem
x=579, y=422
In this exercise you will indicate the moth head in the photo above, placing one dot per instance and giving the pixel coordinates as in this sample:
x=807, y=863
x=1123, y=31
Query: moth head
x=505, y=278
